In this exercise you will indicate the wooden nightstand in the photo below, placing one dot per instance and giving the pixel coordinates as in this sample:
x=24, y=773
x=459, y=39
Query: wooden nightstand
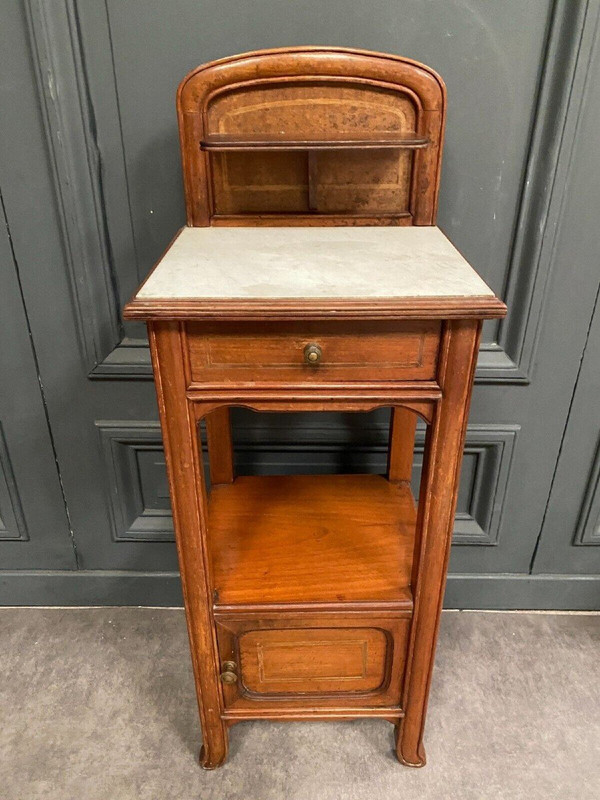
x=311, y=277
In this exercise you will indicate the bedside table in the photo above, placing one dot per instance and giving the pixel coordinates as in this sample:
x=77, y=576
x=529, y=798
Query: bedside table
x=312, y=597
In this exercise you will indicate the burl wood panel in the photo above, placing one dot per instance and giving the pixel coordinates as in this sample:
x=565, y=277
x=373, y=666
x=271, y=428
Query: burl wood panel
x=311, y=539
x=362, y=182
x=308, y=94
x=359, y=181
x=374, y=352
x=258, y=183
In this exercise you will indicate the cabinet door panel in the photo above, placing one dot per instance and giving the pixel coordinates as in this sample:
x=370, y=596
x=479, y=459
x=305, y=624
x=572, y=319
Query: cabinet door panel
x=337, y=660
x=315, y=661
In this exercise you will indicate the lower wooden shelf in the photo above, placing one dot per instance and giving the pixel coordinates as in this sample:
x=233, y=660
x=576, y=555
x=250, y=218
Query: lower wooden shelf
x=310, y=540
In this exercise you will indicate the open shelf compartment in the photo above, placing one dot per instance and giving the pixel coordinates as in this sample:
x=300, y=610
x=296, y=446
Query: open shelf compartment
x=314, y=539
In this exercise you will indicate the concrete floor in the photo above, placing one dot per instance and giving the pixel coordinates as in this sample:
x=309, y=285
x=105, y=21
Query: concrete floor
x=98, y=704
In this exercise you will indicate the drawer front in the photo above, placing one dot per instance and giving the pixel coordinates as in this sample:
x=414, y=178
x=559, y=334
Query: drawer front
x=288, y=661
x=363, y=352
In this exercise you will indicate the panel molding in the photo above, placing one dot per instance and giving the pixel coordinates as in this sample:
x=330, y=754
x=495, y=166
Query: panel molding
x=492, y=446
x=132, y=520
x=313, y=448
x=587, y=532
x=76, y=164
x=57, y=47
x=13, y=527
x=563, y=73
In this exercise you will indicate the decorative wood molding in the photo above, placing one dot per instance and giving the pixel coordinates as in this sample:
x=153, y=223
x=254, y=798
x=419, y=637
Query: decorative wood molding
x=136, y=481
x=75, y=160
x=588, y=526
x=13, y=527
x=563, y=72
x=338, y=309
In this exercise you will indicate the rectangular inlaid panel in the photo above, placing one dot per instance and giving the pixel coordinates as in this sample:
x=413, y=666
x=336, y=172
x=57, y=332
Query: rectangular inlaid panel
x=325, y=183
x=340, y=660
x=362, y=182
x=347, y=182
x=253, y=183
x=374, y=352
x=299, y=109
x=313, y=661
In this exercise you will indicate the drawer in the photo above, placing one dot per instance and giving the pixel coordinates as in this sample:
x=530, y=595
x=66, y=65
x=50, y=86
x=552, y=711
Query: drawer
x=316, y=352
x=283, y=661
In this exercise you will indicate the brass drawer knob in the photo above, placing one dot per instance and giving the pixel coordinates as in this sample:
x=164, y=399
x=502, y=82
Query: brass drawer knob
x=312, y=353
x=228, y=674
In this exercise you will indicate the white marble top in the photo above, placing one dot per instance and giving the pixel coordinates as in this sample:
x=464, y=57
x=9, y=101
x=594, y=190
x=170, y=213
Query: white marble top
x=361, y=262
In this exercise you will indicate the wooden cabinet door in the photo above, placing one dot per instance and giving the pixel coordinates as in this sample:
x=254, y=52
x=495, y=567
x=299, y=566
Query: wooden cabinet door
x=341, y=660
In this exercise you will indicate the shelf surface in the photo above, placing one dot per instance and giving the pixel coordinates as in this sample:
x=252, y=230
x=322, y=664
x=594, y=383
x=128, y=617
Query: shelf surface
x=347, y=141
x=311, y=539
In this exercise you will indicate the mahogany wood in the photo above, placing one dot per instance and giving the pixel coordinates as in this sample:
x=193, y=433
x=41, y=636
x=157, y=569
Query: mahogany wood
x=439, y=490
x=186, y=485
x=311, y=538
x=220, y=446
x=328, y=714
x=313, y=597
x=368, y=352
x=266, y=219
x=402, y=308
x=315, y=661
x=403, y=424
x=277, y=141
x=355, y=660
x=322, y=398
x=333, y=94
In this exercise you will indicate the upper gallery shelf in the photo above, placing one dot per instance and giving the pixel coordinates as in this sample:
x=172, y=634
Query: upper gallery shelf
x=384, y=140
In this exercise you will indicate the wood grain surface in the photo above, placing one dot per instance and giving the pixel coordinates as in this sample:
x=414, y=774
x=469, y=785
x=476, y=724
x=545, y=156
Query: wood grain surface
x=311, y=538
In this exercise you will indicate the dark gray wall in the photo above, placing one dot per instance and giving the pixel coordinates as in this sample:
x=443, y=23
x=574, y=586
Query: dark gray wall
x=92, y=190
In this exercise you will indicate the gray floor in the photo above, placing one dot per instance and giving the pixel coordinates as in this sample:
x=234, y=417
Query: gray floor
x=99, y=704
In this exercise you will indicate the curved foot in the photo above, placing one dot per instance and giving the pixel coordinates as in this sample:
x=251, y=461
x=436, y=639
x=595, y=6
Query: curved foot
x=420, y=762
x=207, y=761
x=414, y=758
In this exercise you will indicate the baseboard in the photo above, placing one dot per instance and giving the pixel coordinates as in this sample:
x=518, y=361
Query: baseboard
x=108, y=588
x=89, y=588
x=512, y=591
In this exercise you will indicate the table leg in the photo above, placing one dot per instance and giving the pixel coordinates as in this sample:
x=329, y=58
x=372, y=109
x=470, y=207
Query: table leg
x=438, y=493
x=188, y=502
